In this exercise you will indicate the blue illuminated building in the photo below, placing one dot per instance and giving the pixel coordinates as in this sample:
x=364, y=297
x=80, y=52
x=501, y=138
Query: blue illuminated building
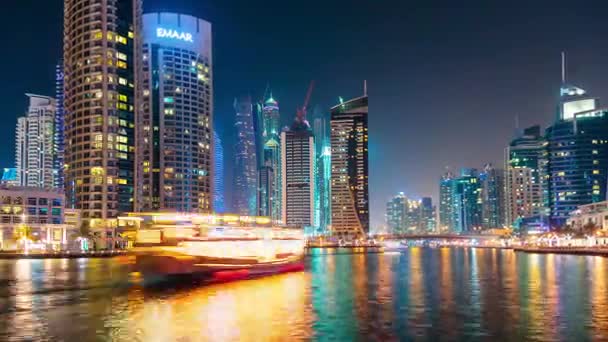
x=9, y=176
x=577, y=154
x=244, y=194
x=461, y=202
x=218, y=175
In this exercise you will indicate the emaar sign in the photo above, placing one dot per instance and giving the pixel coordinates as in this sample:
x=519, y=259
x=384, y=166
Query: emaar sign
x=173, y=34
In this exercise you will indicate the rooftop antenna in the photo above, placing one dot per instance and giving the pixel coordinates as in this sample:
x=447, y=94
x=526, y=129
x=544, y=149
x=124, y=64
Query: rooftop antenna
x=563, y=67
x=517, y=122
x=364, y=87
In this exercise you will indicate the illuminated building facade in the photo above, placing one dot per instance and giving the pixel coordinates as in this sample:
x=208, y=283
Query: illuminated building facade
x=297, y=173
x=58, y=160
x=176, y=131
x=577, y=162
x=349, y=168
x=396, y=214
x=428, y=213
x=272, y=154
x=101, y=56
x=462, y=201
x=525, y=181
x=35, y=151
x=245, y=167
x=323, y=172
x=265, y=190
x=218, y=175
x=405, y=215
x=9, y=177
x=492, y=197
x=446, y=205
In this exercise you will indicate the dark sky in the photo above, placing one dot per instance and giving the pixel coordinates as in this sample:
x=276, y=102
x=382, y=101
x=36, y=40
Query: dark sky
x=446, y=78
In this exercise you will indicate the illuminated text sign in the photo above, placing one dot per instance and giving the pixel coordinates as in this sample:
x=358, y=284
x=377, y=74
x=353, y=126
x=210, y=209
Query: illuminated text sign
x=173, y=34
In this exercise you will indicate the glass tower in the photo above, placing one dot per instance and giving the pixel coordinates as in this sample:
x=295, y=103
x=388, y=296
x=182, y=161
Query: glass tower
x=272, y=155
x=218, y=174
x=492, y=193
x=176, y=131
x=245, y=169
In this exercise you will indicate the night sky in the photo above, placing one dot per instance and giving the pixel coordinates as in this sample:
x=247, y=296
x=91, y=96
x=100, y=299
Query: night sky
x=446, y=78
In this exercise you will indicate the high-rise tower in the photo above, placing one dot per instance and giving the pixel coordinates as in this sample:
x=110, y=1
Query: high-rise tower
x=59, y=142
x=492, y=197
x=176, y=133
x=35, y=144
x=349, y=168
x=101, y=55
x=577, y=153
x=525, y=181
x=245, y=167
x=272, y=154
x=218, y=175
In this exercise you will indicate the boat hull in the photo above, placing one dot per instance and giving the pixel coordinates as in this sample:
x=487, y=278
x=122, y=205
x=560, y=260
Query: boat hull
x=215, y=268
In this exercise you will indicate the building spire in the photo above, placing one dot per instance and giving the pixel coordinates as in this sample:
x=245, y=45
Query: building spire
x=563, y=67
x=364, y=87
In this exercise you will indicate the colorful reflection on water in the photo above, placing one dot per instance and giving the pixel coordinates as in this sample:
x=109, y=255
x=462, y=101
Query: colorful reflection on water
x=421, y=293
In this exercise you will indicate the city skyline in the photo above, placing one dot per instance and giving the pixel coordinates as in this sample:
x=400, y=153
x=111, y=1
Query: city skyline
x=523, y=77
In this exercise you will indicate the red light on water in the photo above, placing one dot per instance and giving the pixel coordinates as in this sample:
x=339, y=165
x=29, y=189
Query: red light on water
x=230, y=275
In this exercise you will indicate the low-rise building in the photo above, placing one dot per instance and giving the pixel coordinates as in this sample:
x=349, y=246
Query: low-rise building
x=35, y=215
x=594, y=215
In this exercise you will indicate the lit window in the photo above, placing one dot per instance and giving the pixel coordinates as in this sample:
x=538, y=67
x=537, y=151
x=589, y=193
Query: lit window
x=121, y=39
x=121, y=64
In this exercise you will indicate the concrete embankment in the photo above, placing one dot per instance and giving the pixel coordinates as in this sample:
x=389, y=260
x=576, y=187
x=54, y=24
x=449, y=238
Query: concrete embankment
x=564, y=250
x=63, y=255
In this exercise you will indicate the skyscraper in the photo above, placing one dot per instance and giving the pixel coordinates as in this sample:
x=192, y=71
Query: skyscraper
x=525, y=182
x=272, y=153
x=35, y=151
x=323, y=170
x=218, y=174
x=265, y=190
x=577, y=153
x=446, y=204
x=405, y=215
x=396, y=214
x=176, y=131
x=349, y=168
x=492, y=197
x=59, y=142
x=245, y=167
x=428, y=220
x=101, y=56
x=297, y=173
x=461, y=199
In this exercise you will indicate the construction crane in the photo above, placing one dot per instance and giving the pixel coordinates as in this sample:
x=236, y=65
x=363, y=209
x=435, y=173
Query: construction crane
x=301, y=112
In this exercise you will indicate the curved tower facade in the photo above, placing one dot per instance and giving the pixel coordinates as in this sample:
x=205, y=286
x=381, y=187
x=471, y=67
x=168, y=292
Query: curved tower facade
x=176, y=127
x=101, y=54
x=349, y=168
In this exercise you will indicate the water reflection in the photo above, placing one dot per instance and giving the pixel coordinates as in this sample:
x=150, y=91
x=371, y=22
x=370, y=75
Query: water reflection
x=453, y=294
